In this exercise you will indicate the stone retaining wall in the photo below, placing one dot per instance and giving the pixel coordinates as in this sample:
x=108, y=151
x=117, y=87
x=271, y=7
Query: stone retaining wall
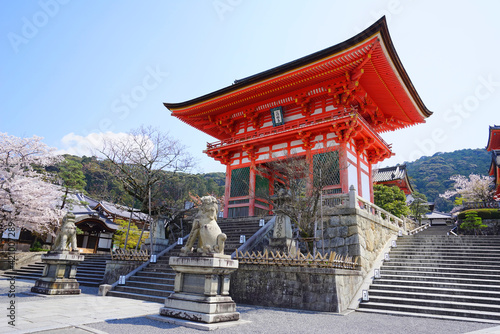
x=117, y=268
x=304, y=288
x=354, y=232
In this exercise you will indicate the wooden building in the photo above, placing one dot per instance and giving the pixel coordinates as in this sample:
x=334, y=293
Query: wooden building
x=332, y=104
x=99, y=220
x=494, y=147
x=395, y=176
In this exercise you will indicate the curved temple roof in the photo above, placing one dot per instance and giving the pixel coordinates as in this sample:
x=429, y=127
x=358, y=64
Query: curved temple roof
x=368, y=59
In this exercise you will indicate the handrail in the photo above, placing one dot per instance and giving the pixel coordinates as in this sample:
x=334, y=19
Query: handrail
x=451, y=231
x=256, y=238
x=419, y=229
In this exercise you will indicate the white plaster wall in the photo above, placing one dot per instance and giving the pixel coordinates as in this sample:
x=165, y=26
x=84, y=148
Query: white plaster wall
x=365, y=182
x=352, y=175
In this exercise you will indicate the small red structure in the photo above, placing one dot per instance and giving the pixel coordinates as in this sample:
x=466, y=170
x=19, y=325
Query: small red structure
x=394, y=176
x=494, y=147
x=333, y=102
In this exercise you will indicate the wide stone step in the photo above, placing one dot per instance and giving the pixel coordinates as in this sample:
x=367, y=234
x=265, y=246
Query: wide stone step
x=366, y=309
x=433, y=252
x=136, y=278
x=445, y=241
x=449, y=237
x=27, y=277
x=446, y=260
x=469, y=266
x=90, y=271
x=446, y=270
x=438, y=273
x=153, y=274
x=445, y=248
x=92, y=265
x=445, y=311
x=441, y=257
x=437, y=284
x=149, y=298
x=151, y=286
x=464, y=298
x=436, y=279
x=25, y=270
x=436, y=290
x=151, y=292
x=84, y=274
x=434, y=284
x=438, y=304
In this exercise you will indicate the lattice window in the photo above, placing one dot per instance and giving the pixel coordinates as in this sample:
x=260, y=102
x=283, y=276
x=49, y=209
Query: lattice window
x=237, y=212
x=261, y=186
x=240, y=181
x=328, y=164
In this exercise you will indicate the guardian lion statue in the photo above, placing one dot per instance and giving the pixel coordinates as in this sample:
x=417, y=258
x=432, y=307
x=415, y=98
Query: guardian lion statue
x=205, y=230
x=66, y=236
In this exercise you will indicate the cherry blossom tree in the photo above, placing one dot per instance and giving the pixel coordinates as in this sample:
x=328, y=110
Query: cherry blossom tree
x=475, y=188
x=28, y=200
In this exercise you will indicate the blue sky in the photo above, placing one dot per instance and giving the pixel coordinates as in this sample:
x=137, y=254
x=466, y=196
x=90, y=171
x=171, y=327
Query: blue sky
x=72, y=69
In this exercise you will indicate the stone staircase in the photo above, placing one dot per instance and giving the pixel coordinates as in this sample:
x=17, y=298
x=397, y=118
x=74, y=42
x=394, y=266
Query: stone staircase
x=439, y=276
x=90, y=272
x=156, y=281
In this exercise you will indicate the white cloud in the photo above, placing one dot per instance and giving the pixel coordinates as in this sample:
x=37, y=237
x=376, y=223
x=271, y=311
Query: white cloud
x=78, y=145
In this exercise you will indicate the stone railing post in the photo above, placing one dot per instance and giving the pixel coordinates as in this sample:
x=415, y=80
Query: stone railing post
x=353, y=202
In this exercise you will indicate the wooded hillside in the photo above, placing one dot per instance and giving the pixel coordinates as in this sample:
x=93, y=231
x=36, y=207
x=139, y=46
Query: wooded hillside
x=431, y=175
x=101, y=184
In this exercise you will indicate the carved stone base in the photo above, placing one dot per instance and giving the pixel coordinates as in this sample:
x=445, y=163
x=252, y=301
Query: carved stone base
x=201, y=291
x=58, y=276
x=158, y=245
x=283, y=245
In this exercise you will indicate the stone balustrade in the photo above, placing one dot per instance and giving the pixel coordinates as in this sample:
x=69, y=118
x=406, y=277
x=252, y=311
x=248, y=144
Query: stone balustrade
x=353, y=201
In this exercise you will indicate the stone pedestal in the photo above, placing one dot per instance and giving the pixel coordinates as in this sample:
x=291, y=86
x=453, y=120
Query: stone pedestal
x=159, y=244
x=201, y=291
x=282, y=236
x=59, y=274
x=283, y=245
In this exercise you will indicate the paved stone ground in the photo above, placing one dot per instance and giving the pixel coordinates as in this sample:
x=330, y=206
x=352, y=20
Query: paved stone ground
x=89, y=313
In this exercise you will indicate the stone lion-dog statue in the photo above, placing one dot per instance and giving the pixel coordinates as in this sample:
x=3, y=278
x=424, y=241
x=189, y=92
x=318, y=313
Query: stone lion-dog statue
x=205, y=230
x=66, y=236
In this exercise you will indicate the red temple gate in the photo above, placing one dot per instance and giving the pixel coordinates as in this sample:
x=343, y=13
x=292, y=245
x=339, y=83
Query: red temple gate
x=332, y=103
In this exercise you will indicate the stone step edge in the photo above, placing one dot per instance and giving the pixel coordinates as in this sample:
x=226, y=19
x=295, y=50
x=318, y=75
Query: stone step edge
x=457, y=269
x=134, y=287
x=438, y=283
x=124, y=294
x=436, y=289
x=441, y=309
x=434, y=295
x=384, y=272
x=426, y=315
x=479, y=280
x=391, y=300
x=426, y=263
x=149, y=283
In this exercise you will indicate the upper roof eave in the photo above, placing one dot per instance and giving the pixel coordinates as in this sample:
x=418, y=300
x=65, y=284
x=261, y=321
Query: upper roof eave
x=492, y=128
x=379, y=26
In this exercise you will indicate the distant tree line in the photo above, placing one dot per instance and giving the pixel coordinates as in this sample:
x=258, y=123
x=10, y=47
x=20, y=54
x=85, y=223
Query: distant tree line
x=101, y=184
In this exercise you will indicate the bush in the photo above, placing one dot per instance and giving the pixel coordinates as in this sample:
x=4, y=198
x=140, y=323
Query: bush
x=37, y=247
x=482, y=213
x=472, y=222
